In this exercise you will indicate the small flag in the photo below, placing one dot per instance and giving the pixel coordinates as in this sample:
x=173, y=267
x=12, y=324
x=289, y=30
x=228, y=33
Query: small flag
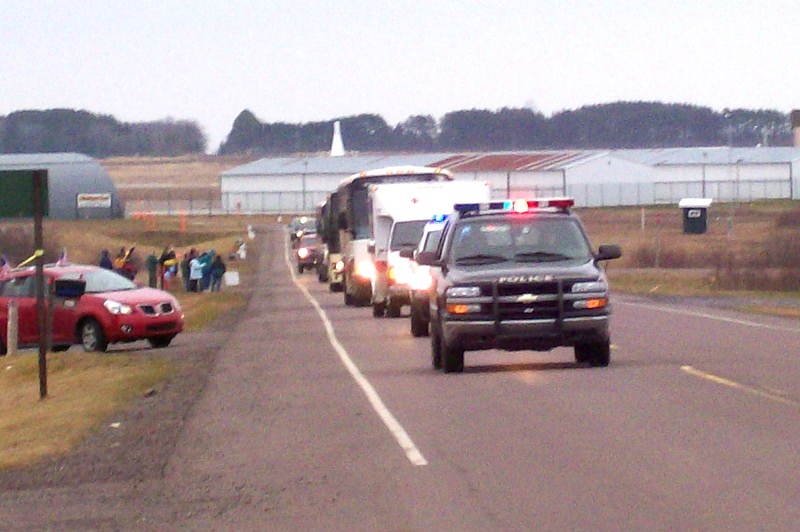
x=62, y=259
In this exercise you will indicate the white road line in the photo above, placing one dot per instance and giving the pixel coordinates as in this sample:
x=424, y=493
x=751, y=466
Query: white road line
x=739, y=386
x=708, y=316
x=403, y=439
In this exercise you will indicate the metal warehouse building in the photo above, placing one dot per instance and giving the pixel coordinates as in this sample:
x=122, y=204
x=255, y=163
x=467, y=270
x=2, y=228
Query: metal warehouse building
x=71, y=177
x=593, y=177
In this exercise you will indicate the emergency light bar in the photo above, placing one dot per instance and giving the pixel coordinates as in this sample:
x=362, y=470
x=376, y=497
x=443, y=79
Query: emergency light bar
x=519, y=205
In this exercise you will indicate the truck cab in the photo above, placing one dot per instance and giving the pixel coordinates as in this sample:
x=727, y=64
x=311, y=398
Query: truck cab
x=518, y=275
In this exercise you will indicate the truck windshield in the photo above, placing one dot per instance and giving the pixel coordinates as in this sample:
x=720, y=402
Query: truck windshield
x=520, y=240
x=406, y=234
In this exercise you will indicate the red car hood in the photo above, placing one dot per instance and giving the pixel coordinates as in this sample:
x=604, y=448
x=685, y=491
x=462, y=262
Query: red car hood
x=138, y=296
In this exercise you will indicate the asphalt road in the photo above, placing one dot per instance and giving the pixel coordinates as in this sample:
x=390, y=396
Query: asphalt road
x=347, y=427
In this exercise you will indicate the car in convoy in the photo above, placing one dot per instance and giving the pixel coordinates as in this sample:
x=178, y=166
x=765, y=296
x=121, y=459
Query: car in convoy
x=299, y=226
x=420, y=276
x=309, y=252
x=516, y=275
x=112, y=309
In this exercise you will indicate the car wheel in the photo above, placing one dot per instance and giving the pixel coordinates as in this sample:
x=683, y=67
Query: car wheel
x=299, y=268
x=59, y=348
x=452, y=358
x=419, y=327
x=160, y=341
x=436, y=349
x=3, y=349
x=598, y=354
x=378, y=309
x=92, y=336
x=393, y=309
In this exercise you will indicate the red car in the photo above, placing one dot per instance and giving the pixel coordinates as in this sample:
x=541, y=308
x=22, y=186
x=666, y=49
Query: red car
x=308, y=252
x=113, y=309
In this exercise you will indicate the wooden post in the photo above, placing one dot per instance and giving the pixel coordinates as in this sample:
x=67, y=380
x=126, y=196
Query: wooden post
x=39, y=184
x=12, y=328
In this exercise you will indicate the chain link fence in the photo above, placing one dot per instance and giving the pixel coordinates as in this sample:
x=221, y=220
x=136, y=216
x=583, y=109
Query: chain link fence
x=209, y=200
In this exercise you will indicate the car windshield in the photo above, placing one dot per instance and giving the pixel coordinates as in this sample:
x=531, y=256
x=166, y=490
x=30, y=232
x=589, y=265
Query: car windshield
x=406, y=234
x=309, y=241
x=101, y=280
x=304, y=223
x=529, y=239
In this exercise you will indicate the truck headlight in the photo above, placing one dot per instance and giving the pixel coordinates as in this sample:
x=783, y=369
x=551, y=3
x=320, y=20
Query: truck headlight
x=593, y=286
x=339, y=267
x=116, y=308
x=463, y=291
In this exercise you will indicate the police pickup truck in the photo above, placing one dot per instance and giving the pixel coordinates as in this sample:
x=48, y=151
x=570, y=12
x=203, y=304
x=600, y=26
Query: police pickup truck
x=516, y=275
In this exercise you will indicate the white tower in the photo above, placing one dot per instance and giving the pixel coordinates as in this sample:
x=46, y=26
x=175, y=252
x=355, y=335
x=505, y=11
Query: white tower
x=337, y=146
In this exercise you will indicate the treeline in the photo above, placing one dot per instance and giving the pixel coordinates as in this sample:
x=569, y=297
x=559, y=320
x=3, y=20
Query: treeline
x=613, y=126
x=67, y=130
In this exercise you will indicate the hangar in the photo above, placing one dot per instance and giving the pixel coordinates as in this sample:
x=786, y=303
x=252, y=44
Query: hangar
x=593, y=177
x=78, y=187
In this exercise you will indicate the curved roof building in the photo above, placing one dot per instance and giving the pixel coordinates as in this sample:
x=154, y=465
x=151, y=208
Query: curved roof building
x=70, y=175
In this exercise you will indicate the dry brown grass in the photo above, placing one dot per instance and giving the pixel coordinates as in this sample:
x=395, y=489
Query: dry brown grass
x=752, y=246
x=189, y=170
x=83, y=390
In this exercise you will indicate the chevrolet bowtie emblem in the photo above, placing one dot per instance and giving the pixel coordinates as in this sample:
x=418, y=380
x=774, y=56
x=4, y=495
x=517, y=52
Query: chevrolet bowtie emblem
x=527, y=298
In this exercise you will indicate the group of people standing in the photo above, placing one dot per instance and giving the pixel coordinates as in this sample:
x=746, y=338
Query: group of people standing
x=202, y=271
x=199, y=271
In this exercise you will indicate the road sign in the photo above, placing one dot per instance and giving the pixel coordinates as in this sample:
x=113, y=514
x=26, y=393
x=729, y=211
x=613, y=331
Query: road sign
x=16, y=191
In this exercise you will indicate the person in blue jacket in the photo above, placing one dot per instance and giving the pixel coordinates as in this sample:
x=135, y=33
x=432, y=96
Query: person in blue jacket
x=206, y=259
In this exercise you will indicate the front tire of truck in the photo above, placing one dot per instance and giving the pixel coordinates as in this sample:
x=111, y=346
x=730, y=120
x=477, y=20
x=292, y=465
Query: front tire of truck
x=436, y=349
x=378, y=309
x=419, y=326
x=452, y=357
x=597, y=354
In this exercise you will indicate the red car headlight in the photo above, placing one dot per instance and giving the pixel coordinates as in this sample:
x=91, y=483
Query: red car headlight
x=303, y=253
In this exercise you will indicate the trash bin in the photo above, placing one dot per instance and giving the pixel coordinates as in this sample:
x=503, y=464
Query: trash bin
x=695, y=214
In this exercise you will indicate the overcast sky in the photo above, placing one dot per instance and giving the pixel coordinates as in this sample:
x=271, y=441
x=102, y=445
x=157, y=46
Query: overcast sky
x=303, y=60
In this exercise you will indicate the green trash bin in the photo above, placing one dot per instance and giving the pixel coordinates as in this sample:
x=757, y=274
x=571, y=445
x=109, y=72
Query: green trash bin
x=695, y=214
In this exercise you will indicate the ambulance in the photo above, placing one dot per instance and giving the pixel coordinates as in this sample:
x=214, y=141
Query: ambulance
x=398, y=214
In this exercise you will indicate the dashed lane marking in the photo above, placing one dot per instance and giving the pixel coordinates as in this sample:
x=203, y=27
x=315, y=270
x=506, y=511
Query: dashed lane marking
x=760, y=392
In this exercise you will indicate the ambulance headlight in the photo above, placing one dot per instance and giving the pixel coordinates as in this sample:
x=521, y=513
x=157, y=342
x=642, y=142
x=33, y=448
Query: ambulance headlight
x=365, y=269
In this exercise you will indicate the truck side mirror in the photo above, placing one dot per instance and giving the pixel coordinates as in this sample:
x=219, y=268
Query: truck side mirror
x=428, y=258
x=371, y=247
x=608, y=252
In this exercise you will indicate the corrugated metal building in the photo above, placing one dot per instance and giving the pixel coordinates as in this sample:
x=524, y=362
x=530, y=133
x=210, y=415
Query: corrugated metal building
x=592, y=177
x=68, y=175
